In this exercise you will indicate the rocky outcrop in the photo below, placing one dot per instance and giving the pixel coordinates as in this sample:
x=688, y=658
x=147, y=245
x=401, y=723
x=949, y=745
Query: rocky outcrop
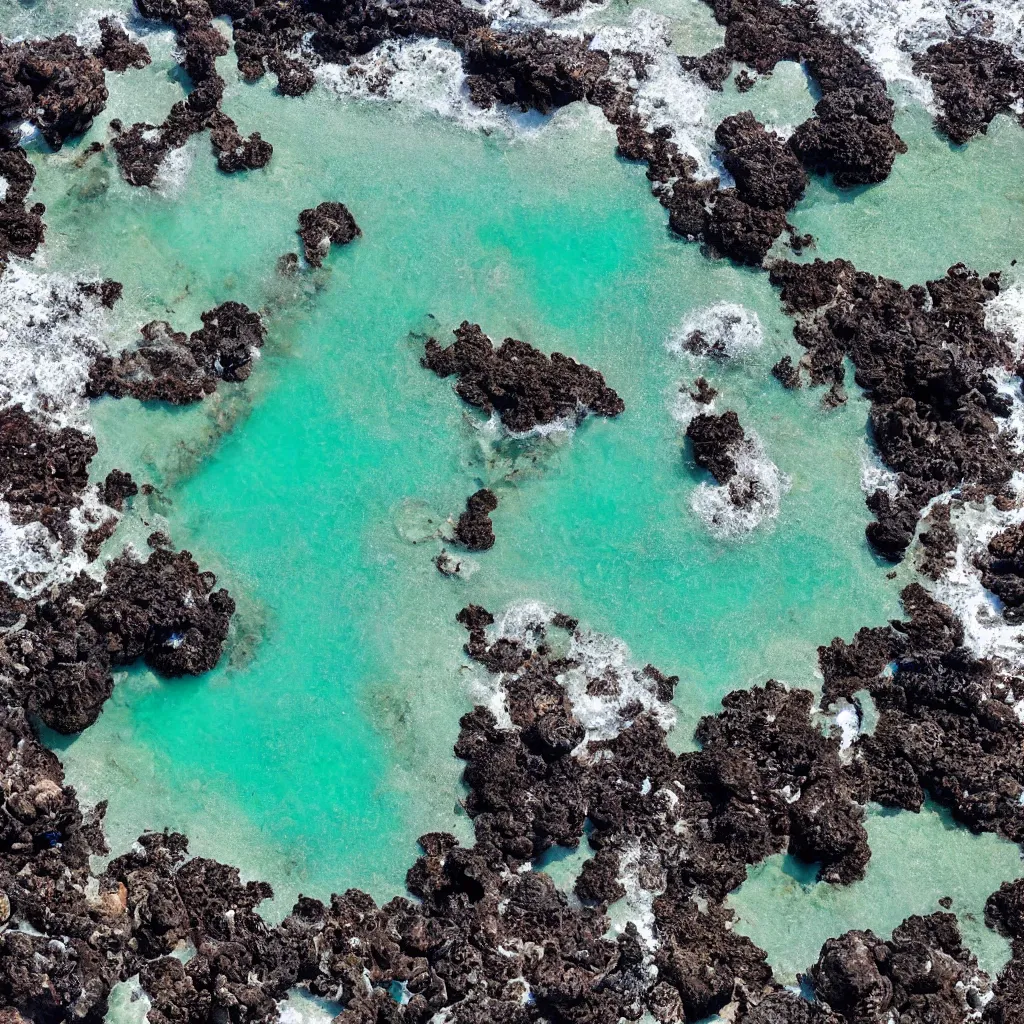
x=923, y=973
x=714, y=441
x=170, y=367
x=474, y=529
x=922, y=354
x=43, y=472
x=946, y=724
x=520, y=384
x=54, y=84
x=531, y=70
x=116, y=52
x=21, y=227
x=142, y=148
x=59, y=652
x=974, y=79
x=326, y=225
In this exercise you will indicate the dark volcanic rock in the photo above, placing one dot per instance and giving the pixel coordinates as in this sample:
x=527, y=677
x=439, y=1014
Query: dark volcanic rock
x=522, y=385
x=944, y=723
x=474, y=529
x=53, y=83
x=786, y=373
x=532, y=70
x=865, y=979
x=118, y=486
x=974, y=79
x=923, y=355
x=326, y=225
x=767, y=173
x=715, y=440
x=169, y=367
x=21, y=229
x=43, y=472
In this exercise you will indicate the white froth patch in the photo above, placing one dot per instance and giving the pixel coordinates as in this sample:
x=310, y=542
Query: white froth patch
x=1004, y=315
x=887, y=32
x=423, y=73
x=682, y=408
x=667, y=96
x=512, y=14
x=986, y=633
x=643, y=883
x=756, y=476
x=598, y=656
x=49, y=335
x=729, y=331
x=173, y=172
x=875, y=475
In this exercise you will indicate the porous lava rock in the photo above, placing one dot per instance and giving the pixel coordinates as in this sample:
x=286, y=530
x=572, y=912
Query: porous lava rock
x=524, y=387
x=714, y=441
x=54, y=84
x=116, y=52
x=59, y=652
x=1002, y=571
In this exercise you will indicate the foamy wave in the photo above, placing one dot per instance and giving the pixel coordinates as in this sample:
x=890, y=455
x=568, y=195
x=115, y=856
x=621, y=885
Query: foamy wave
x=424, y=73
x=751, y=497
x=875, y=475
x=1004, y=315
x=49, y=335
x=727, y=330
x=599, y=657
x=986, y=632
x=643, y=878
x=683, y=408
x=888, y=32
x=514, y=14
x=667, y=96
x=173, y=172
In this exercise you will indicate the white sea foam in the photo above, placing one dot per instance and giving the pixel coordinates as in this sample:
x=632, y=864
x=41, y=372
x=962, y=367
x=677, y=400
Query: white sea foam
x=643, y=878
x=598, y=656
x=875, y=475
x=682, y=408
x=667, y=96
x=425, y=73
x=888, y=32
x=986, y=632
x=49, y=335
x=758, y=484
x=1004, y=315
x=728, y=329
x=172, y=174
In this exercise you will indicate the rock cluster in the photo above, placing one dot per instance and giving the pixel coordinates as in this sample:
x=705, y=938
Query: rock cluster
x=714, y=441
x=524, y=387
x=922, y=354
x=21, y=227
x=974, y=79
x=142, y=147
x=170, y=367
x=326, y=225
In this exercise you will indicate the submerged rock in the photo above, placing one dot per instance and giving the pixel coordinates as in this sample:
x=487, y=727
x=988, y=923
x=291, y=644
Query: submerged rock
x=523, y=386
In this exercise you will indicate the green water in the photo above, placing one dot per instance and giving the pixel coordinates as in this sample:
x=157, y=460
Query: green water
x=321, y=746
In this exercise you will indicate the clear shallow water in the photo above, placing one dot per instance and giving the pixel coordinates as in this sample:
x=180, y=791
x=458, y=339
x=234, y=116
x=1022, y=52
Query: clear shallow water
x=321, y=747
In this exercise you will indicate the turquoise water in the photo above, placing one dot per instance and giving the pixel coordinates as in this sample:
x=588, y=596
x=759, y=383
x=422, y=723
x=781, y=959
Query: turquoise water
x=321, y=747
